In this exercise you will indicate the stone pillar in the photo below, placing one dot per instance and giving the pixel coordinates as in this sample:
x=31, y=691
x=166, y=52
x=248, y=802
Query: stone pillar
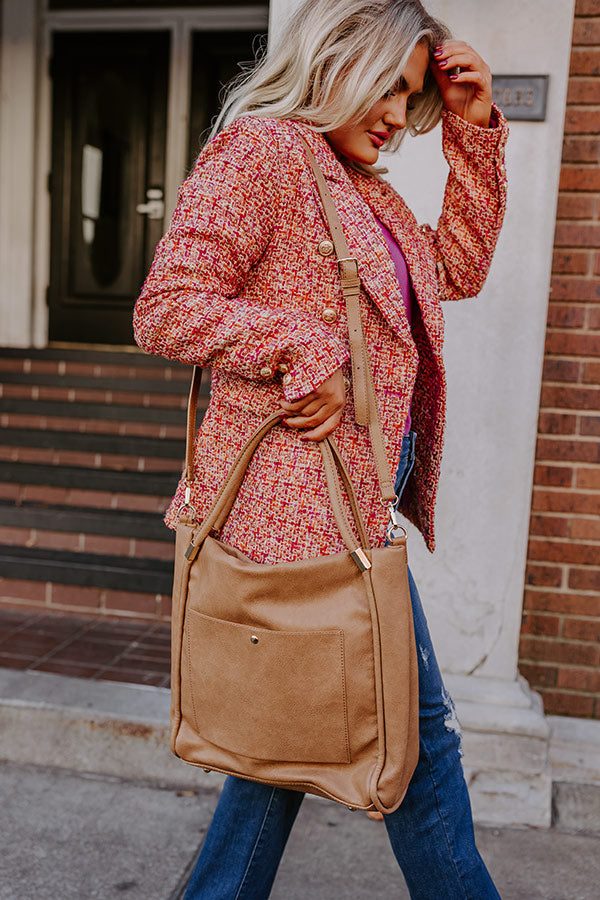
x=472, y=587
x=17, y=151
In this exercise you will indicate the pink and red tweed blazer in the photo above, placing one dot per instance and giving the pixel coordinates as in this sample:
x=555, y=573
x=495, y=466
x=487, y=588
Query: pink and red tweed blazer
x=239, y=284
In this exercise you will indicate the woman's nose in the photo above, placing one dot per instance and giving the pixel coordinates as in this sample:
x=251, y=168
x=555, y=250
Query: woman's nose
x=395, y=114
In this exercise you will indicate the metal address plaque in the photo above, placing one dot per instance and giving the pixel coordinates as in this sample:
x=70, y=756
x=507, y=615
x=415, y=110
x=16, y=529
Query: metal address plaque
x=521, y=96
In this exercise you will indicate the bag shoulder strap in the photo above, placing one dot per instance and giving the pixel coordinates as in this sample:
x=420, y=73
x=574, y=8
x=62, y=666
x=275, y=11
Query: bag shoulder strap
x=366, y=411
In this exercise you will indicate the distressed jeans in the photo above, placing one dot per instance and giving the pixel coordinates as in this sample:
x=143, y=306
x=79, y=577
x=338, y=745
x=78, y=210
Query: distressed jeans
x=431, y=833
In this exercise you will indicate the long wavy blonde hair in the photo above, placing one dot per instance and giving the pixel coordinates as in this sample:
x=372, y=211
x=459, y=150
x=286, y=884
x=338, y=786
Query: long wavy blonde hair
x=333, y=61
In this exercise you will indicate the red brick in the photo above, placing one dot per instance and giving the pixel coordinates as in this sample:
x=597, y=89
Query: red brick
x=581, y=149
x=580, y=178
x=563, y=552
x=540, y=649
x=583, y=629
x=581, y=91
x=56, y=540
x=578, y=234
x=561, y=703
x=549, y=526
x=540, y=624
x=587, y=8
x=543, y=576
x=563, y=501
x=589, y=425
x=100, y=543
x=563, y=450
x=587, y=579
x=593, y=321
x=75, y=597
x=590, y=478
x=155, y=549
x=559, y=602
x=569, y=287
x=163, y=465
x=15, y=537
x=586, y=31
x=9, y=491
x=577, y=206
x=587, y=529
x=570, y=397
x=574, y=262
x=556, y=423
x=141, y=503
x=555, y=476
x=566, y=316
x=579, y=679
x=591, y=373
x=597, y=272
x=12, y=589
x=141, y=604
x=565, y=343
x=538, y=675
x=42, y=493
x=585, y=62
x=95, y=499
x=561, y=369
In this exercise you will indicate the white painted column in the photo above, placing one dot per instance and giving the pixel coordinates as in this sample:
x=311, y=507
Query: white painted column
x=17, y=153
x=472, y=586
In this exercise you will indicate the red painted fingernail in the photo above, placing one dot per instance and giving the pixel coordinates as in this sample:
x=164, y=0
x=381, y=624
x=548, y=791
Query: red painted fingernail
x=438, y=51
x=453, y=77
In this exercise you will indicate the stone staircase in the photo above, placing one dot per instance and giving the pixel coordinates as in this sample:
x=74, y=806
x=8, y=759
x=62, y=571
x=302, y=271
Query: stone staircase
x=93, y=442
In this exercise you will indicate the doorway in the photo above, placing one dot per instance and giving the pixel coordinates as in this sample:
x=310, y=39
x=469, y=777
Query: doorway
x=107, y=178
x=110, y=98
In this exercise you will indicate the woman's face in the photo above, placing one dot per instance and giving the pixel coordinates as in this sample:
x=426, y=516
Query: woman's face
x=361, y=141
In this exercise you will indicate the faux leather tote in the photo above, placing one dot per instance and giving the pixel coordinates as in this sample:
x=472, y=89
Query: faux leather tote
x=301, y=674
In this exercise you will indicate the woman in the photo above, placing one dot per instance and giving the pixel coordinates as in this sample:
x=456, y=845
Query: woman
x=245, y=282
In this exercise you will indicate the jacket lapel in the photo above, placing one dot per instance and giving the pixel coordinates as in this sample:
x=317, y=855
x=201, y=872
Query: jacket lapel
x=388, y=206
x=364, y=237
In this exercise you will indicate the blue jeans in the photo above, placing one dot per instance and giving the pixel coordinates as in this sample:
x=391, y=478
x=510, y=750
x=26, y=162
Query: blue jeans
x=431, y=833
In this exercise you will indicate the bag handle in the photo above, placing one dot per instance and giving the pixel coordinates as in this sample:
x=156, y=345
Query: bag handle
x=334, y=470
x=366, y=411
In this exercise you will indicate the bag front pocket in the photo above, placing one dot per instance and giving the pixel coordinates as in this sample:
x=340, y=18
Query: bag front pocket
x=266, y=694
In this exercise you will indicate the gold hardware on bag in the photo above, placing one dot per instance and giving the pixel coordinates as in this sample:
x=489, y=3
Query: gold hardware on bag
x=254, y=639
x=361, y=559
x=192, y=551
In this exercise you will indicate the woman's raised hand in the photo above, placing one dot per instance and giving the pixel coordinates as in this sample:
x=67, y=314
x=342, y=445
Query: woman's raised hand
x=320, y=411
x=469, y=93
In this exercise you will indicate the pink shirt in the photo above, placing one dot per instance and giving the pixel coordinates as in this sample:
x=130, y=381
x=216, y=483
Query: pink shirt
x=405, y=283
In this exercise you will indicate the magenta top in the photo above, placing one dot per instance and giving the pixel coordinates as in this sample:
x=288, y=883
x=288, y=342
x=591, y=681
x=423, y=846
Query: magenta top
x=405, y=283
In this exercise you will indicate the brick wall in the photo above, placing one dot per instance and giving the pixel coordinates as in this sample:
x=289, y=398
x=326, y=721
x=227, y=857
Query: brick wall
x=560, y=639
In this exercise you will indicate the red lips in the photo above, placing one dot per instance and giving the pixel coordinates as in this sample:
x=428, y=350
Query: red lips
x=378, y=137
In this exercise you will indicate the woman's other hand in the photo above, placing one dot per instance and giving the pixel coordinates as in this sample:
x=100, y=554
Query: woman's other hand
x=320, y=411
x=469, y=93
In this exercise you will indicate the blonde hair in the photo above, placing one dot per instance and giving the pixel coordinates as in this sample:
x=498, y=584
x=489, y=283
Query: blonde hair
x=333, y=61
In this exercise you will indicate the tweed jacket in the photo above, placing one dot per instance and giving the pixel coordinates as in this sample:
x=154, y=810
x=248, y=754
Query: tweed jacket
x=240, y=283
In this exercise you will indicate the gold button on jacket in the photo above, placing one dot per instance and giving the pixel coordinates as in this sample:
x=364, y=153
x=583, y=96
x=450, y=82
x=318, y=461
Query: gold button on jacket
x=329, y=315
x=325, y=248
x=265, y=372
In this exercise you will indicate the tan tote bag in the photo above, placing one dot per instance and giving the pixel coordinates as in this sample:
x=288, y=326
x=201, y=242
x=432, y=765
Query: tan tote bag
x=301, y=674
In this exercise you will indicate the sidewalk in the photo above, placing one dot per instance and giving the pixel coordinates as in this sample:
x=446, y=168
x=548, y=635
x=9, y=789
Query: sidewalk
x=135, y=829
x=70, y=836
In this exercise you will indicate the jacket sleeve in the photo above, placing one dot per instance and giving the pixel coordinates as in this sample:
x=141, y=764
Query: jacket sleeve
x=190, y=306
x=474, y=204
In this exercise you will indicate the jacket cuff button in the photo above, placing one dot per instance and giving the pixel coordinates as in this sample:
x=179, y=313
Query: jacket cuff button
x=286, y=378
x=266, y=372
x=283, y=368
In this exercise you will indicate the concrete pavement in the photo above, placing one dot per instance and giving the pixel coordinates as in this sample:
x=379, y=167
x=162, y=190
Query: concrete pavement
x=71, y=836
